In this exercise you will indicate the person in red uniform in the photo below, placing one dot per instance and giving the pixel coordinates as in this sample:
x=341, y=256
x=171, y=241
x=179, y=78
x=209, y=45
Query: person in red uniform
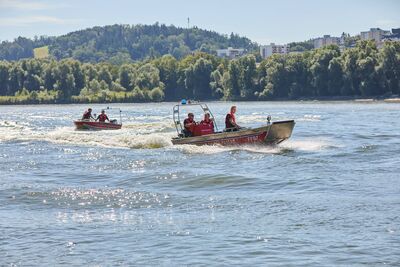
x=207, y=121
x=102, y=117
x=87, y=115
x=230, y=121
x=189, y=125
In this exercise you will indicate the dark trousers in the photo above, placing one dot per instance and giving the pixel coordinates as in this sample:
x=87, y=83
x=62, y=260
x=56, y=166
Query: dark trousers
x=187, y=133
x=234, y=129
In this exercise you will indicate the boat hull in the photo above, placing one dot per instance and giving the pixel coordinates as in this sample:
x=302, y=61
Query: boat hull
x=271, y=134
x=95, y=125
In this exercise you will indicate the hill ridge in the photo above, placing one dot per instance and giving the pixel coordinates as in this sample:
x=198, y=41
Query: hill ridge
x=123, y=43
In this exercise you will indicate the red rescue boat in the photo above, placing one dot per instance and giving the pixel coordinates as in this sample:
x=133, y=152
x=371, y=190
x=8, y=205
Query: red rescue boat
x=270, y=134
x=97, y=125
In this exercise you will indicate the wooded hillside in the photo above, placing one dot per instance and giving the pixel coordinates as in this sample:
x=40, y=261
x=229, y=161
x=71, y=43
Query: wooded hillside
x=120, y=44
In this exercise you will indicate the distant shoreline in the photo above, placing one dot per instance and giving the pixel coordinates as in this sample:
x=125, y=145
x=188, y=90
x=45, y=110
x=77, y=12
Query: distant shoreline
x=391, y=99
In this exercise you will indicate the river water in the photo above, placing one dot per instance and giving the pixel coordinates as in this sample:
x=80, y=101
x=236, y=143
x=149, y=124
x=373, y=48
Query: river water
x=329, y=196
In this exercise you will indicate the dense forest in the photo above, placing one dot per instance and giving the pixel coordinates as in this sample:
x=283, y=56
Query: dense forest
x=360, y=71
x=120, y=44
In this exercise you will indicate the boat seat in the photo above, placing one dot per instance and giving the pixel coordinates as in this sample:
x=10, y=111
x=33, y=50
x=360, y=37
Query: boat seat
x=202, y=129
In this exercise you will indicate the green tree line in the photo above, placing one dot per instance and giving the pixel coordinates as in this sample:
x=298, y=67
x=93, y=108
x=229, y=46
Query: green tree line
x=360, y=71
x=120, y=44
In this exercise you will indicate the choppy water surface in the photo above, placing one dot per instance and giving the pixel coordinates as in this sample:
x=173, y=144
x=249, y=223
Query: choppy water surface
x=328, y=196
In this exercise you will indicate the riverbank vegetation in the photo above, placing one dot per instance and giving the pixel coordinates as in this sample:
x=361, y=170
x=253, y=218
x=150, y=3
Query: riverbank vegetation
x=327, y=72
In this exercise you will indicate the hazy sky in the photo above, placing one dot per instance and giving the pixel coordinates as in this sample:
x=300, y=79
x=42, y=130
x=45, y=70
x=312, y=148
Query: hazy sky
x=278, y=21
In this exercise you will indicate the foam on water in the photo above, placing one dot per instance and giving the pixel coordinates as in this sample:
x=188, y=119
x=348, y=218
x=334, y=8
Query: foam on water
x=215, y=149
x=257, y=119
x=294, y=145
x=307, y=144
x=143, y=136
x=150, y=127
x=118, y=139
x=134, y=136
x=206, y=149
x=11, y=124
x=11, y=130
x=309, y=117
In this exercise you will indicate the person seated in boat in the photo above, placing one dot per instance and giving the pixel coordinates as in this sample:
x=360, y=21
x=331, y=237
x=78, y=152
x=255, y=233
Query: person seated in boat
x=207, y=121
x=230, y=121
x=189, y=125
x=87, y=115
x=102, y=117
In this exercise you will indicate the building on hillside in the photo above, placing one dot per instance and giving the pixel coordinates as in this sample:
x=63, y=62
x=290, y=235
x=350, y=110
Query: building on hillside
x=342, y=41
x=375, y=34
x=395, y=36
x=230, y=52
x=269, y=50
x=327, y=40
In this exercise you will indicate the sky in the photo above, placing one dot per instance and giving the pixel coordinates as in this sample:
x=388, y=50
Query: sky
x=279, y=21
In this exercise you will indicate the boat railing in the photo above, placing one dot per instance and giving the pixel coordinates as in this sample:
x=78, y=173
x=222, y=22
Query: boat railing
x=120, y=113
x=176, y=115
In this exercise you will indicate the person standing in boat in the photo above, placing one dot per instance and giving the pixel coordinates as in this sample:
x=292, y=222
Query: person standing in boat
x=102, y=117
x=87, y=115
x=230, y=121
x=207, y=121
x=189, y=125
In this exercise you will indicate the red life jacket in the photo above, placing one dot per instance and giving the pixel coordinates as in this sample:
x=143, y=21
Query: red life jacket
x=228, y=119
x=187, y=127
x=233, y=117
x=86, y=115
x=208, y=122
x=187, y=121
x=103, y=117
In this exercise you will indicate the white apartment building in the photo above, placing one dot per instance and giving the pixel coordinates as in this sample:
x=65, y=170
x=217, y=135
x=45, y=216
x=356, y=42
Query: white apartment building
x=374, y=34
x=269, y=50
x=230, y=52
x=395, y=36
x=326, y=40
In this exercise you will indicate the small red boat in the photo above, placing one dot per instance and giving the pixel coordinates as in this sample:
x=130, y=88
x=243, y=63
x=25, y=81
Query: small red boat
x=270, y=134
x=91, y=124
x=96, y=125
